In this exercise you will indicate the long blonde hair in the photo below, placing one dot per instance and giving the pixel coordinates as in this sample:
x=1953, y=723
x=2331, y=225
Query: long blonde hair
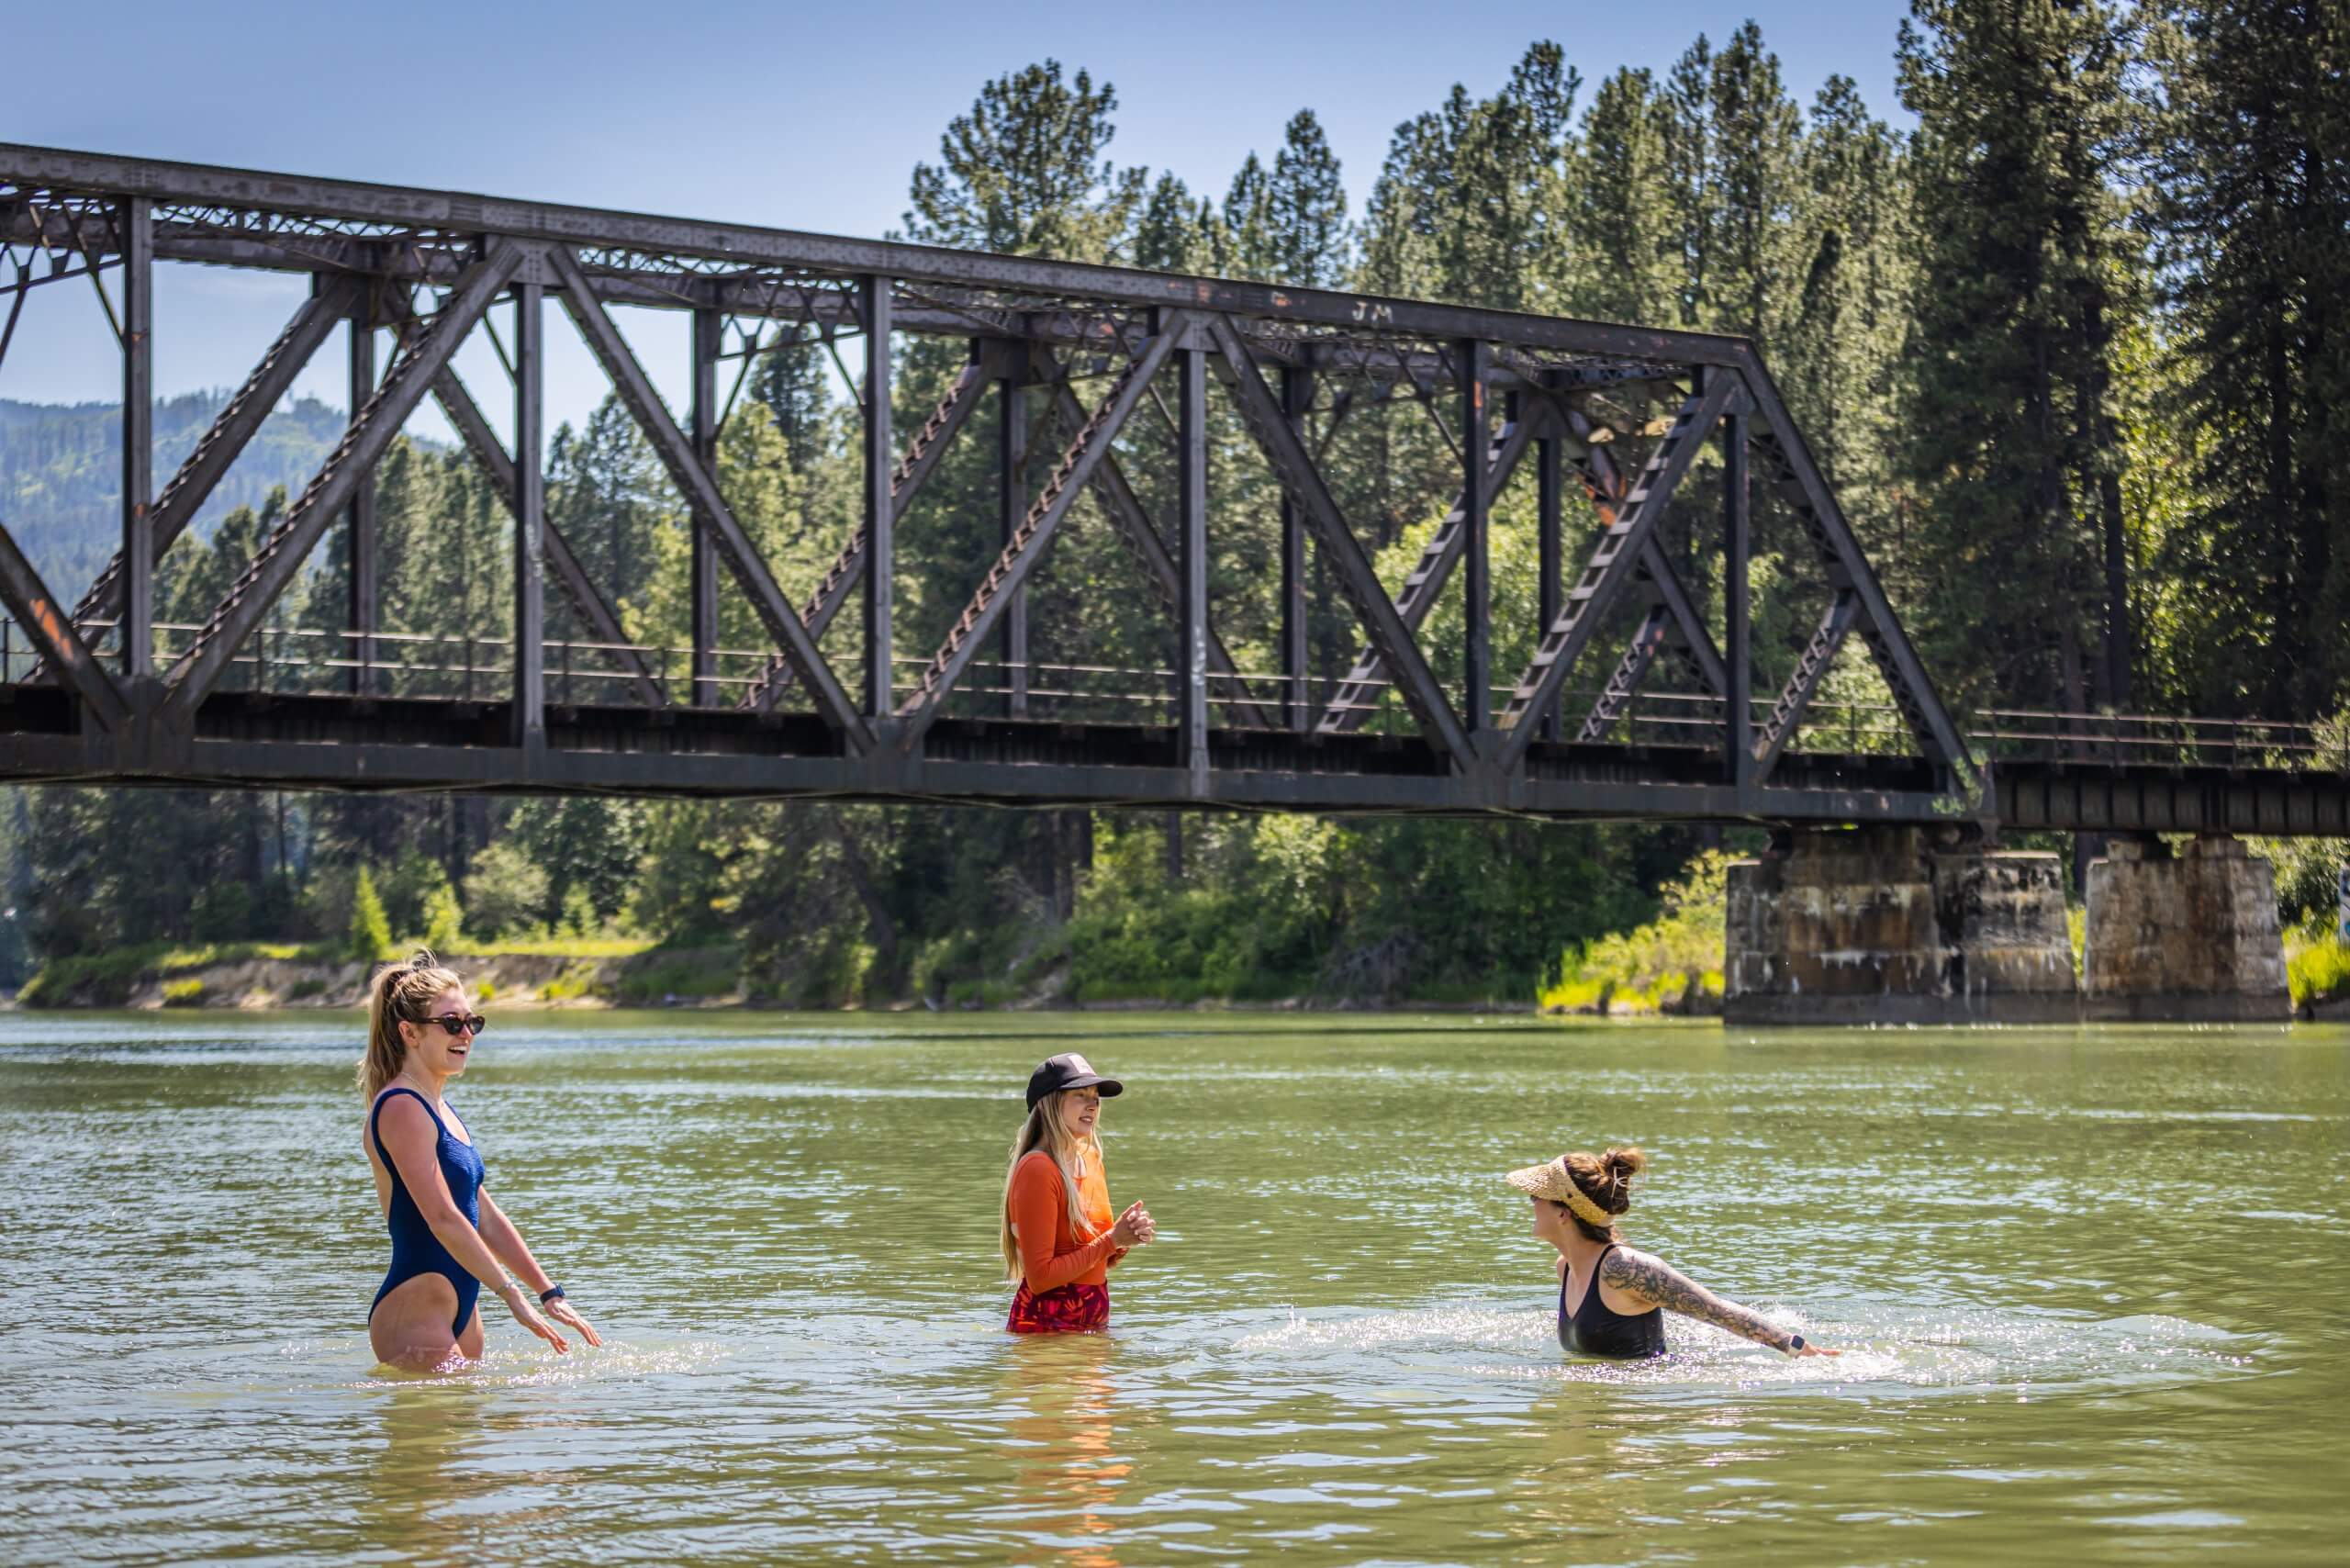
x=400, y=993
x=1042, y=1130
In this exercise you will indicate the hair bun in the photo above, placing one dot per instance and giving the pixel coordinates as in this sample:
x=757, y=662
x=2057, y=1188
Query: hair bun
x=1621, y=1165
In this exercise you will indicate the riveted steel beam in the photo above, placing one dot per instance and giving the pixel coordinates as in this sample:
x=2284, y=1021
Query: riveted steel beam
x=1389, y=635
x=273, y=568
x=700, y=489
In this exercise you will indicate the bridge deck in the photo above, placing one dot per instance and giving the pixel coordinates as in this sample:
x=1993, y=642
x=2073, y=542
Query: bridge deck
x=343, y=743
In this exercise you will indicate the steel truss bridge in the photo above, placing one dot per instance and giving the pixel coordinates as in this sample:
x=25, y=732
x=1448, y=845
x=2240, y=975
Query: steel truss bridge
x=96, y=689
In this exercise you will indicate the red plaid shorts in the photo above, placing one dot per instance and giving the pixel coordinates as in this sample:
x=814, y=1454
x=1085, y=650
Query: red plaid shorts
x=1071, y=1309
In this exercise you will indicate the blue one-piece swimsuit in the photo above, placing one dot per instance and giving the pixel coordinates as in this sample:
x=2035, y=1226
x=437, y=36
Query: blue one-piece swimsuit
x=415, y=1249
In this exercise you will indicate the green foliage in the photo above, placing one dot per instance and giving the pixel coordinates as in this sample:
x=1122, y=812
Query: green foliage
x=371, y=933
x=2308, y=873
x=107, y=980
x=505, y=893
x=577, y=981
x=2318, y=970
x=1654, y=966
x=444, y=920
x=183, y=992
x=680, y=975
x=2071, y=354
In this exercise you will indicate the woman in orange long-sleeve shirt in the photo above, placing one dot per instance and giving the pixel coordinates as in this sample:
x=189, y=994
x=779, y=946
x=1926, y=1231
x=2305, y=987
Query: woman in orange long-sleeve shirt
x=1059, y=1240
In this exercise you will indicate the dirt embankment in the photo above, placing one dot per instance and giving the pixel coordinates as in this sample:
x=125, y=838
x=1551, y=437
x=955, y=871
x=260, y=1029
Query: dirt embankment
x=665, y=977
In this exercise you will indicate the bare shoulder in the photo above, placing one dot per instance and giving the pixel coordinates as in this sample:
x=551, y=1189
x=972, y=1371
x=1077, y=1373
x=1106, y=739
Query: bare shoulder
x=402, y=1118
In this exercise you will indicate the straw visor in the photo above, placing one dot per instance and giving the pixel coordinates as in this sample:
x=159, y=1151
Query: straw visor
x=1555, y=1181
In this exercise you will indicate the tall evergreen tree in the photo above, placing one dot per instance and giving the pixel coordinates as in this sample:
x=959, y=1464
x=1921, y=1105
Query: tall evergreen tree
x=2021, y=237
x=1627, y=257
x=2252, y=164
x=1026, y=173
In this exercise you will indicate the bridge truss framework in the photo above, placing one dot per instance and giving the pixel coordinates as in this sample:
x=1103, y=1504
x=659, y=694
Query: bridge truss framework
x=101, y=703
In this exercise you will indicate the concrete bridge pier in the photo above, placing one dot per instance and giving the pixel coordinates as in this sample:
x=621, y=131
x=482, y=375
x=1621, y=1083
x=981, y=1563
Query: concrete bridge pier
x=1897, y=925
x=2187, y=936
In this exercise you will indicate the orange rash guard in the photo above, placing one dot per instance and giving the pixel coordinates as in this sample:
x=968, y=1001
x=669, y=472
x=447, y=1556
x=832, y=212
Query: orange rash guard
x=1051, y=1255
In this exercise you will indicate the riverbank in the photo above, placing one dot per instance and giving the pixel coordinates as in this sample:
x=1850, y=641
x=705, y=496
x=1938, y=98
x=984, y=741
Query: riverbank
x=585, y=973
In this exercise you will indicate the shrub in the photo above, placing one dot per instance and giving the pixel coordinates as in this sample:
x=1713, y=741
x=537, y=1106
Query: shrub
x=577, y=981
x=444, y=920
x=371, y=933
x=305, y=988
x=506, y=892
x=222, y=912
x=184, y=994
x=1645, y=970
x=580, y=917
x=2319, y=972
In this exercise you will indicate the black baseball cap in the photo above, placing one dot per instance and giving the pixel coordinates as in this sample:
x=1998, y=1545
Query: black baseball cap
x=1070, y=1071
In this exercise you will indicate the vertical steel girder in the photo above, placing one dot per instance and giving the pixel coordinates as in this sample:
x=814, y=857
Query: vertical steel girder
x=530, y=694
x=1357, y=577
x=481, y=443
x=1619, y=549
x=1350, y=704
x=1037, y=530
x=360, y=366
x=1191, y=618
x=703, y=563
x=137, y=551
x=1476, y=505
x=700, y=489
x=1550, y=545
x=1738, y=539
x=1131, y=521
x=848, y=570
x=1011, y=506
x=272, y=569
x=1297, y=394
x=880, y=506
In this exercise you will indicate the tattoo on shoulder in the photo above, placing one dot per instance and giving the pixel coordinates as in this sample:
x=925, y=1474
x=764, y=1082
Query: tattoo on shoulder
x=1660, y=1285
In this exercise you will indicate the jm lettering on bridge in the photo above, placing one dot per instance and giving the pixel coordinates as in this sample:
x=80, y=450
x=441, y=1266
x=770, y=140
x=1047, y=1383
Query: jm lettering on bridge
x=1636, y=702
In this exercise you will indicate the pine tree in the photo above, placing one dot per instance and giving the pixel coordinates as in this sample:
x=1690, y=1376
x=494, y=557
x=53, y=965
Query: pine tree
x=2252, y=212
x=1025, y=173
x=1306, y=201
x=1627, y=263
x=1753, y=138
x=2022, y=243
x=371, y=934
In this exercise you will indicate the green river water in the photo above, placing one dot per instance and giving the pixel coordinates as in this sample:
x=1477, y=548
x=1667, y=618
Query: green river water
x=2091, y=1284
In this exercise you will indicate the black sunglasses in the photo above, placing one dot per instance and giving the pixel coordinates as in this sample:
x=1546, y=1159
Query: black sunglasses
x=457, y=1023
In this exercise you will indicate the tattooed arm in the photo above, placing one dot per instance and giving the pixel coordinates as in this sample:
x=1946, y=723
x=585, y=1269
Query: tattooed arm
x=1658, y=1284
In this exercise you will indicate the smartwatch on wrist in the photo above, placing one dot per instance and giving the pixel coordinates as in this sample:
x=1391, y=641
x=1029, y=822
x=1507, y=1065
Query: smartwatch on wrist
x=1794, y=1344
x=552, y=1293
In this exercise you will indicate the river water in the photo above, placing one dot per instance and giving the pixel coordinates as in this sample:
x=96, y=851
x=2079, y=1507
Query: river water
x=2090, y=1282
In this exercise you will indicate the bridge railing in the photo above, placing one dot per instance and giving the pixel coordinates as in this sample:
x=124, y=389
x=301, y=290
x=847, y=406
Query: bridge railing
x=2154, y=739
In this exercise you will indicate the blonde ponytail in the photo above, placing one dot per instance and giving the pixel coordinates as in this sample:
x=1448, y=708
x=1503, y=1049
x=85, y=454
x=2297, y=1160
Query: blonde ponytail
x=399, y=991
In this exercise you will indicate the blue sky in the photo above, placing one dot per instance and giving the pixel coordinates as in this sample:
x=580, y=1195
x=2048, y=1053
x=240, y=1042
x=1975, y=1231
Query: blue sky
x=802, y=116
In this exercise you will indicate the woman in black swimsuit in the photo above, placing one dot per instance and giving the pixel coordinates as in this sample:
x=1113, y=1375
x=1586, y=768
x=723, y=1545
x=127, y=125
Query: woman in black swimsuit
x=1612, y=1300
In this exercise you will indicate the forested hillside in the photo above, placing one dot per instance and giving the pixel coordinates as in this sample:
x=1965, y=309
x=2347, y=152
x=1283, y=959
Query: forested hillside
x=60, y=471
x=2072, y=351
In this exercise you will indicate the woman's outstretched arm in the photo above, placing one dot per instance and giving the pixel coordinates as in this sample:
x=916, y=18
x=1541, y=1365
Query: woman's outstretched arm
x=505, y=1238
x=1658, y=1283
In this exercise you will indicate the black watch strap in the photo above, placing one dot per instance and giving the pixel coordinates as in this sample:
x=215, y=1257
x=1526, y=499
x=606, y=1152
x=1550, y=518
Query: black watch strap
x=552, y=1293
